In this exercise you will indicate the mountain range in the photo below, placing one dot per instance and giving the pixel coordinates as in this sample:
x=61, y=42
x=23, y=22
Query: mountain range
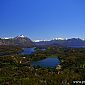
x=73, y=42
x=23, y=41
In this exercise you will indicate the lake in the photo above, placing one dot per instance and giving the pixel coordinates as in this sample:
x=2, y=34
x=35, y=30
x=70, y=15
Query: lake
x=27, y=50
x=47, y=62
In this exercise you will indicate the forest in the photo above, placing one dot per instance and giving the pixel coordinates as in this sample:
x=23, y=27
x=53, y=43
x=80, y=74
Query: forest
x=16, y=70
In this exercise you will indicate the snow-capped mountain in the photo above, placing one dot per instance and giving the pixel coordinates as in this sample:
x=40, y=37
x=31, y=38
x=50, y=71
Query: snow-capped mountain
x=59, y=38
x=41, y=40
x=37, y=40
x=73, y=42
x=22, y=36
x=20, y=40
x=24, y=41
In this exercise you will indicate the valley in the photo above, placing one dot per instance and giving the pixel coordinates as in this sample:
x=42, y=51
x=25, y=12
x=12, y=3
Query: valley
x=15, y=67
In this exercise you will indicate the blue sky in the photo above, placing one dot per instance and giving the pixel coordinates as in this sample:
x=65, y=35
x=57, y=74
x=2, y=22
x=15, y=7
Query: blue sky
x=42, y=19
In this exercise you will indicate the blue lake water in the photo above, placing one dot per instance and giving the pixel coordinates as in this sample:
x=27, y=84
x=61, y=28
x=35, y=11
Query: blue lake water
x=27, y=50
x=47, y=62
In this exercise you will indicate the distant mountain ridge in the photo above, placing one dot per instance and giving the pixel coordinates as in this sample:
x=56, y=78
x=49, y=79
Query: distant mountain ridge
x=73, y=42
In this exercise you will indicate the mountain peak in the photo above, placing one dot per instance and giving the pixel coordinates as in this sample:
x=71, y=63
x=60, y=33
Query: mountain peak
x=22, y=36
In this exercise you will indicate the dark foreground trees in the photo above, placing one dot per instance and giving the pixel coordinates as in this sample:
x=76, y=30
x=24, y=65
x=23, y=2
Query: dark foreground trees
x=15, y=70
